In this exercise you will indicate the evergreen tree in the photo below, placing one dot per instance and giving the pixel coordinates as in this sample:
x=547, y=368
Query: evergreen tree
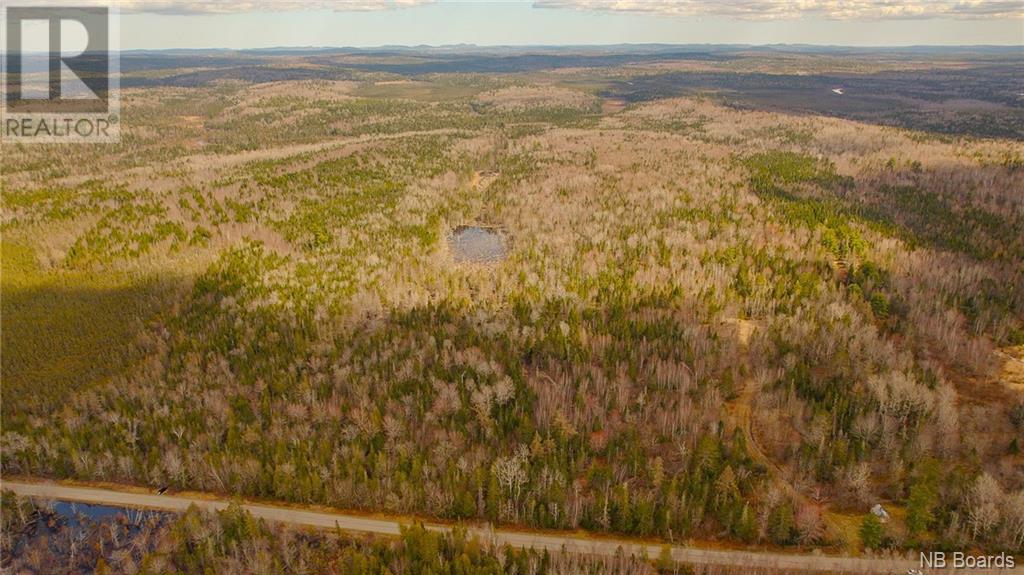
x=871, y=532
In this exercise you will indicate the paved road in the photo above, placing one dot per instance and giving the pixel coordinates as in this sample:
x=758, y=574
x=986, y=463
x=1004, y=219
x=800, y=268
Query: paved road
x=356, y=523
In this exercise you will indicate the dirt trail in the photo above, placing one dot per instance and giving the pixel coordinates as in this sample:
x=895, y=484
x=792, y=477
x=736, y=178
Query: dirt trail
x=742, y=412
x=742, y=408
x=1013, y=367
x=481, y=180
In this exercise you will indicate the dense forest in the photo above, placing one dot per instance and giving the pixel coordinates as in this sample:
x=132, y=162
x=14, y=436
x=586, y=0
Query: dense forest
x=711, y=323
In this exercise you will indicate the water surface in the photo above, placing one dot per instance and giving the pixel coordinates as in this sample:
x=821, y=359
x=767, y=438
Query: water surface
x=477, y=244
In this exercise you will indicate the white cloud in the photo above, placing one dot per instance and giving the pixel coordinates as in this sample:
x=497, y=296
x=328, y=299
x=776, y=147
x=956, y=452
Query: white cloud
x=234, y=6
x=783, y=9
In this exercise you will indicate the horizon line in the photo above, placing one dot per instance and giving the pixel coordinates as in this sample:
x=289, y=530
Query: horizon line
x=464, y=45
x=576, y=45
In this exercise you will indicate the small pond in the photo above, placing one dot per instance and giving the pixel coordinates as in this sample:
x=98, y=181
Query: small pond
x=477, y=244
x=72, y=509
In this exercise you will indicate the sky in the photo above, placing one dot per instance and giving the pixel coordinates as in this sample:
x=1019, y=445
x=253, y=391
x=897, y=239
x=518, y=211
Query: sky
x=161, y=24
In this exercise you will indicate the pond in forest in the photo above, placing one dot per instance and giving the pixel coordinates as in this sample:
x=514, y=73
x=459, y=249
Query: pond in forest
x=71, y=509
x=477, y=244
